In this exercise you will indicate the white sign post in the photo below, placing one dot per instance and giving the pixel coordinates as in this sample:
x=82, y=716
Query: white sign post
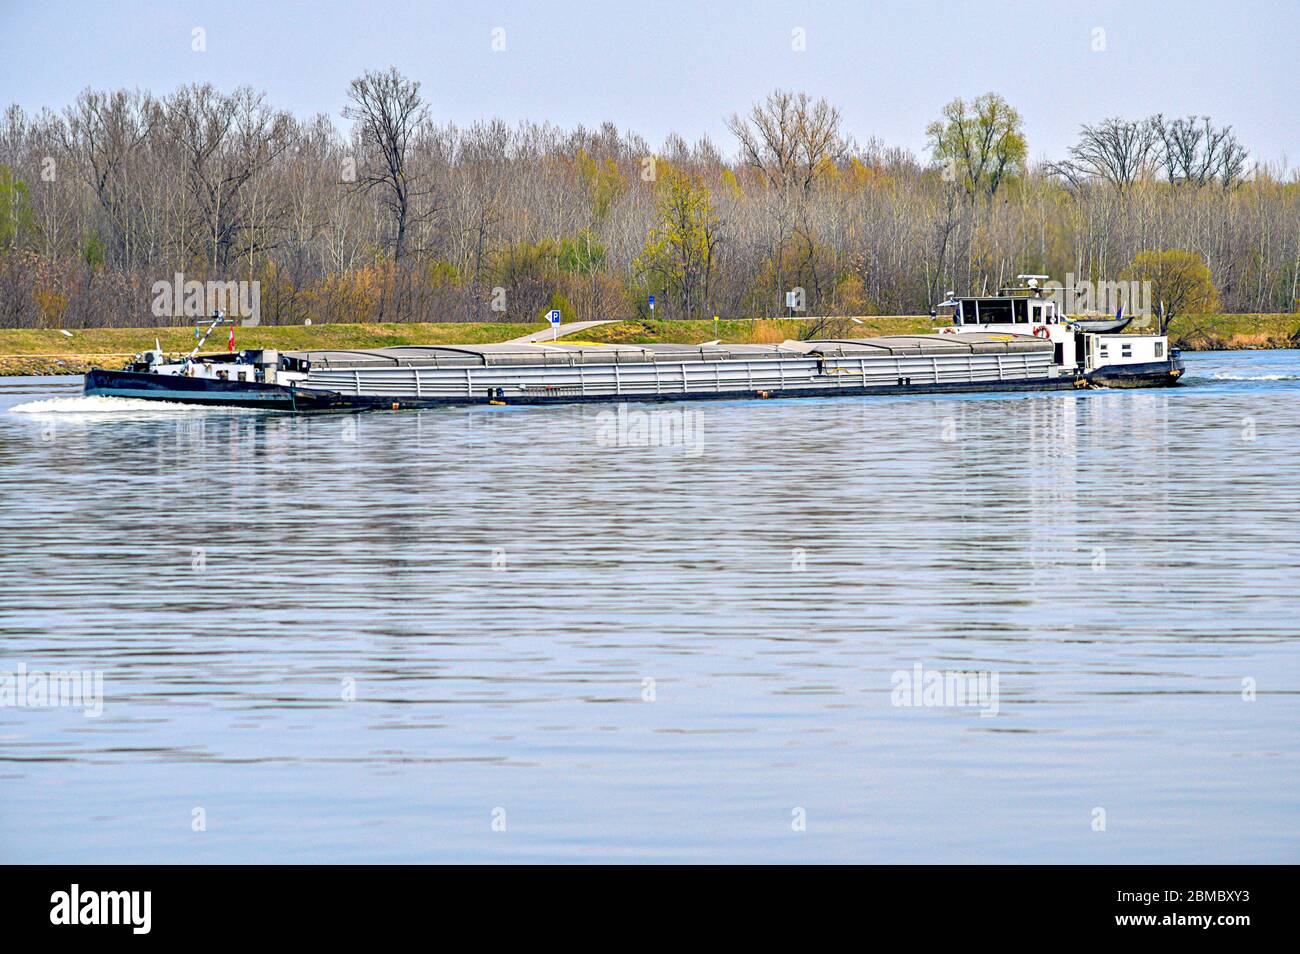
x=554, y=315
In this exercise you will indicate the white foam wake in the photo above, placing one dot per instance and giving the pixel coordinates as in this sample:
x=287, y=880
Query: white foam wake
x=1257, y=377
x=99, y=404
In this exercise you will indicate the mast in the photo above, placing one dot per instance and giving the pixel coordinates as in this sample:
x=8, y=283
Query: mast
x=217, y=319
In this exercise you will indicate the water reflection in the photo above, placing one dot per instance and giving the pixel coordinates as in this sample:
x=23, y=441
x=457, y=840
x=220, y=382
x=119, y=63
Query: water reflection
x=647, y=652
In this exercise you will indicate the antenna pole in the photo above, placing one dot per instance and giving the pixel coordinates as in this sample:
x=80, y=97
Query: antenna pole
x=216, y=320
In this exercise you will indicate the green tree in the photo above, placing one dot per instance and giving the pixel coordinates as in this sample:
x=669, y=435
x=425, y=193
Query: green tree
x=681, y=250
x=92, y=252
x=983, y=142
x=561, y=304
x=1180, y=283
x=604, y=183
x=581, y=254
x=16, y=223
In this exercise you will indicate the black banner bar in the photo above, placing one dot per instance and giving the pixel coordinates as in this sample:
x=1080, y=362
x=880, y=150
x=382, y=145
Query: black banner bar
x=140, y=904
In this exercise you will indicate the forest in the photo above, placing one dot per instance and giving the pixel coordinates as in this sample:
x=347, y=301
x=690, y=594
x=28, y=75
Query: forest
x=387, y=214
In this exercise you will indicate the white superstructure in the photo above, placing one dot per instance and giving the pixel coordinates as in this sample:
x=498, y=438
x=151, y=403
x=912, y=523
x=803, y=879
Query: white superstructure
x=1080, y=345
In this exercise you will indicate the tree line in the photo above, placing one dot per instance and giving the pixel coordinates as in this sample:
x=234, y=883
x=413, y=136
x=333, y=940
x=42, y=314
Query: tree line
x=404, y=218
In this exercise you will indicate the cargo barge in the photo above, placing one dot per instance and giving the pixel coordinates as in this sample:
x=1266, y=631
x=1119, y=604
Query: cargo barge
x=994, y=343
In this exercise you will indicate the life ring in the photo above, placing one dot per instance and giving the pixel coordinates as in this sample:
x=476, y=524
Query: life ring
x=1042, y=331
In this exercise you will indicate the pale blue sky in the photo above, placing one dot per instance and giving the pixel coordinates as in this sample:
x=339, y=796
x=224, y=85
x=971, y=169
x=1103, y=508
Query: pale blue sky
x=659, y=65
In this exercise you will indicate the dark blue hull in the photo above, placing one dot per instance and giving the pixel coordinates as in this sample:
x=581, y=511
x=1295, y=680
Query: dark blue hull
x=183, y=390
x=1147, y=374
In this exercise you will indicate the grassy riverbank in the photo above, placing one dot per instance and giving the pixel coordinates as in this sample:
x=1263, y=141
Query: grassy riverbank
x=1236, y=332
x=52, y=352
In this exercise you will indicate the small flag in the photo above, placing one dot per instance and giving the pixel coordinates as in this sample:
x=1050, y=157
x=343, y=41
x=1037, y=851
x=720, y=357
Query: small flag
x=230, y=345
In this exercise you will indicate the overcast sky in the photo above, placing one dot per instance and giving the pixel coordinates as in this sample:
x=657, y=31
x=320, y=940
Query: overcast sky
x=656, y=66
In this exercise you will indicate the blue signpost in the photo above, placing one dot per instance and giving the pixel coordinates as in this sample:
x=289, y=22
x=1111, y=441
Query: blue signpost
x=554, y=315
x=652, y=306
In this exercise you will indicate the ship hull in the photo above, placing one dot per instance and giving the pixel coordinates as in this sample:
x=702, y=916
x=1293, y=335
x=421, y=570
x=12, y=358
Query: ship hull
x=178, y=389
x=1147, y=374
x=371, y=393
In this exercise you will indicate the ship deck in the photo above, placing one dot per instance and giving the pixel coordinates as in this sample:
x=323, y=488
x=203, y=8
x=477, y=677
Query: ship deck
x=559, y=353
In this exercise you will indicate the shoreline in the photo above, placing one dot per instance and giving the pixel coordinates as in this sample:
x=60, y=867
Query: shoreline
x=36, y=352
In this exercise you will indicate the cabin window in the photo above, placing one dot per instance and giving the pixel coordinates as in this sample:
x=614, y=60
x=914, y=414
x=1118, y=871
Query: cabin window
x=1104, y=350
x=1160, y=349
x=995, y=311
x=1021, y=308
x=1126, y=351
x=968, y=316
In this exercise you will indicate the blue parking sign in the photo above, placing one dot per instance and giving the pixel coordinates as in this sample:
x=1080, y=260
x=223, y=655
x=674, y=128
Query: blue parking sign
x=555, y=316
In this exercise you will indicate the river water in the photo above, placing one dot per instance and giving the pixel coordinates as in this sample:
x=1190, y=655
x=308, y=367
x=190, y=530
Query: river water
x=690, y=632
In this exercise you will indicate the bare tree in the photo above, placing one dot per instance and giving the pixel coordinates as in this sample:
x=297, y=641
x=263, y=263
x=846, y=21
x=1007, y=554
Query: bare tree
x=790, y=139
x=101, y=134
x=388, y=111
x=943, y=229
x=225, y=141
x=1116, y=150
x=124, y=188
x=476, y=191
x=1199, y=153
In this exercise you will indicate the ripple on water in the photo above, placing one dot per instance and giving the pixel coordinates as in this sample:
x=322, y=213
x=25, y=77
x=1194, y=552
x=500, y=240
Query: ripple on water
x=355, y=637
